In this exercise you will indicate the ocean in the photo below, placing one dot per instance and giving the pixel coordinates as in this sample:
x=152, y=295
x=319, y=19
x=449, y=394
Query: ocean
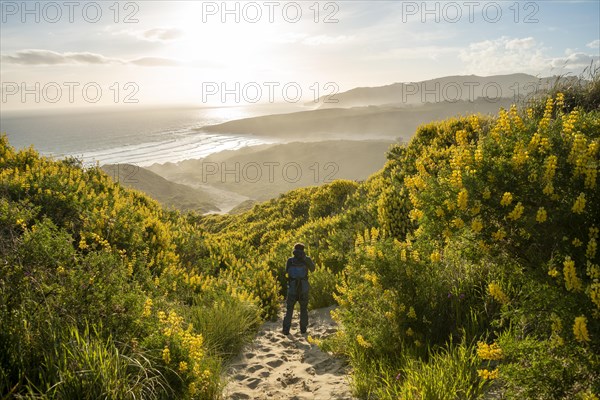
x=139, y=136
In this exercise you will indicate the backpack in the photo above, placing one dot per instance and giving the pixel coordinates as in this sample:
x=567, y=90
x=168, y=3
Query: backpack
x=298, y=272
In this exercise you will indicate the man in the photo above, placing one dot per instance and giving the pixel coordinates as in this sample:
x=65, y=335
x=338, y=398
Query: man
x=297, y=268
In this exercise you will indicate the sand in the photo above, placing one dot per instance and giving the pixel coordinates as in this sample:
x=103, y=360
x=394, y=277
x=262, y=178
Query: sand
x=276, y=366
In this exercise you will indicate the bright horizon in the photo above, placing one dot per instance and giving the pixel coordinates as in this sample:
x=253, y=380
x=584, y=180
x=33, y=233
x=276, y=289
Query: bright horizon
x=196, y=53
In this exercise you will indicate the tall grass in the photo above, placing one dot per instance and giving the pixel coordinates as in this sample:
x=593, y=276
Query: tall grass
x=83, y=365
x=226, y=324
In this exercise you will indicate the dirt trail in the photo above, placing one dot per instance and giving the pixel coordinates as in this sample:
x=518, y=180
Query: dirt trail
x=276, y=366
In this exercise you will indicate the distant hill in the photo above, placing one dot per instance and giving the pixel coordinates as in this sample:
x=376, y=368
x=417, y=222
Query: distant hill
x=290, y=165
x=446, y=89
x=170, y=194
x=355, y=123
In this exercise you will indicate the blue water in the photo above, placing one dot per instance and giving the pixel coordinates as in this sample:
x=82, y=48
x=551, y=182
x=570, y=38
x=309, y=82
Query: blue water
x=140, y=136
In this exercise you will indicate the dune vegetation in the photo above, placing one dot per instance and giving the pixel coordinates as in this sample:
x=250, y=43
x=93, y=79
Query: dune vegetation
x=466, y=268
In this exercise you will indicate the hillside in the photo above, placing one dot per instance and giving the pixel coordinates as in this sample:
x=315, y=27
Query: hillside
x=169, y=194
x=467, y=267
x=449, y=89
x=264, y=172
x=356, y=123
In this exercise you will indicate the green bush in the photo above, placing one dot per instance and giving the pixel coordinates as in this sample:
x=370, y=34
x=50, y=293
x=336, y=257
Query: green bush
x=226, y=323
x=322, y=287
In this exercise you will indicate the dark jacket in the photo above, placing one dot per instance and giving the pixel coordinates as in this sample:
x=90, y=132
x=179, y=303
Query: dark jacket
x=300, y=258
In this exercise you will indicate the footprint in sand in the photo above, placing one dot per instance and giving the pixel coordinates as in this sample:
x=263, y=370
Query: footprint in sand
x=274, y=363
x=276, y=366
x=254, y=368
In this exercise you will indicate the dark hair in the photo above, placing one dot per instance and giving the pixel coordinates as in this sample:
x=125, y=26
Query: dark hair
x=299, y=246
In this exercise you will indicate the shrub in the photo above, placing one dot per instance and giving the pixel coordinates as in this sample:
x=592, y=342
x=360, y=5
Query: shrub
x=322, y=287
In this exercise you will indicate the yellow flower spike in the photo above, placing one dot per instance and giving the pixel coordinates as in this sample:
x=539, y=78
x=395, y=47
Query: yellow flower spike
x=435, y=257
x=590, y=251
x=147, y=310
x=166, y=355
x=499, y=234
x=548, y=189
x=458, y=222
x=486, y=193
x=489, y=351
x=462, y=200
x=541, y=215
x=477, y=225
x=362, y=342
x=580, y=329
x=411, y=313
x=579, y=205
x=489, y=375
x=497, y=294
x=183, y=366
x=572, y=282
x=507, y=198
x=516, y=213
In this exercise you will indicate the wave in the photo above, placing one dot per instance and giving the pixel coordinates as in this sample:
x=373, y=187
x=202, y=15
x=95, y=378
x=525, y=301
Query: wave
x=186, y=144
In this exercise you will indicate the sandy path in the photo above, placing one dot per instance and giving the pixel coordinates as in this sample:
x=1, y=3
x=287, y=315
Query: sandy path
x=276, y=366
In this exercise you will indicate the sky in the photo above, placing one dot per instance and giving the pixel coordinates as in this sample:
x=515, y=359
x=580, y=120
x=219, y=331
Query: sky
x=205, y=53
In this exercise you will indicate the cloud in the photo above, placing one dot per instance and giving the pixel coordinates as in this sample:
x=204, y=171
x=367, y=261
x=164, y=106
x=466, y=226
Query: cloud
x=594, y=44
x=48, y=57
x=509, y=55
x=155, y=62
x=160, y=34
x=574, y=61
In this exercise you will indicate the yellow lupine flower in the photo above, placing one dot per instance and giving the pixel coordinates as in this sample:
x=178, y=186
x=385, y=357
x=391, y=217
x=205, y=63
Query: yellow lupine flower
x=553, y=272
x=572, y=282
x=486, y=193
x=496, y=292
x=411, y=313
x=415, y=256
x=580, y=329
x=507, y=198
x=579, y=204
x=595, y=294
x=489, y=351
x=499, y=234
x=166, y=355
x=147, y=310
x=362, y=342
x=435, y=257
x=485, y=374
x=541, y=215
x=516, y=213
x=590, y=251
x=458, y=222
x=477, y=225
x=463, y=198
x=183, y=366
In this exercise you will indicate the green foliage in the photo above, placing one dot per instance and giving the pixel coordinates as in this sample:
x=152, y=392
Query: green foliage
x=480, y=230
x=539, y=369
x=85, y=366
x=98, y=284
x=226, y=323
x=449, y=373
x=322, y=288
